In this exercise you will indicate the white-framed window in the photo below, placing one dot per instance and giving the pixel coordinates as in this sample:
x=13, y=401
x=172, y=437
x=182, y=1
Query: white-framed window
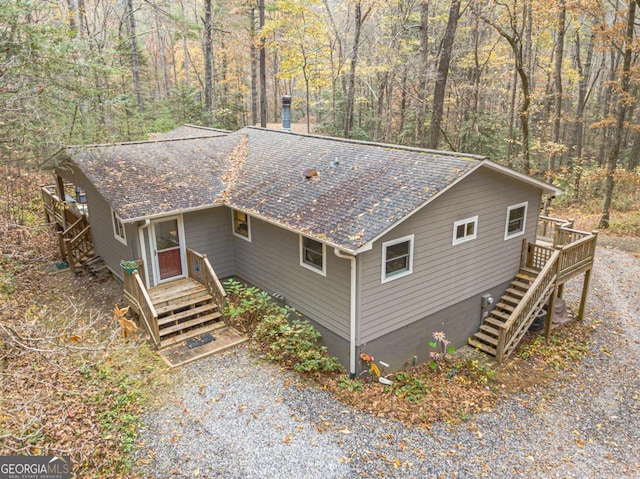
x=241, y=224
x=465, y=230
x=516, y=220
x=397, y=258
x=313, y=255
x=118, y=228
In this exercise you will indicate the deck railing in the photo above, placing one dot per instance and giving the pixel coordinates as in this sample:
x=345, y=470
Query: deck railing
x=548, y=226
x=511, y=332
x=200, y=269
x=78, y=242
x=137, y=296
x=573, y=253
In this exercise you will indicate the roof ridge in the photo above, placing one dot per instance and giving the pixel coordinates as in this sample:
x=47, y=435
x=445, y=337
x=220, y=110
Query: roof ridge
x=374, y=143
x=149, y=141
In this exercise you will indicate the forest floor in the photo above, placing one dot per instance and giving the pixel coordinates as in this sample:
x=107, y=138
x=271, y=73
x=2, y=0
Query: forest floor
x=71, y=385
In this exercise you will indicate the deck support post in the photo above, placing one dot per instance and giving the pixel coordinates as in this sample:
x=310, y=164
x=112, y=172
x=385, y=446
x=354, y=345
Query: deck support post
x=585, y=292
x=61, y=198
x=547, y=321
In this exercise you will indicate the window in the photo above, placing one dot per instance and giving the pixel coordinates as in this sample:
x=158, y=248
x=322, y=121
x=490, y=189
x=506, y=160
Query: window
x=312, y=255
x=397, y=258
x=465, y=230
x=241, y=225
x=118, y=228
x=516, y=220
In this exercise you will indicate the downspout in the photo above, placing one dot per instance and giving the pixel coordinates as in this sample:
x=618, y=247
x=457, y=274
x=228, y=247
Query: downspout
x=352, y=312
x=143, y=249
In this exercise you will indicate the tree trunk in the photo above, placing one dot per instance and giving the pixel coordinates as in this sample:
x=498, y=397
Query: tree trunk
x=623, y=105
x=359, y=19
x=421, y=110
x=263, y=69
x=254, y=66
x=443, y=73
x=562, y=16
x=135, y=65
x=584, y=74
x=208, y=62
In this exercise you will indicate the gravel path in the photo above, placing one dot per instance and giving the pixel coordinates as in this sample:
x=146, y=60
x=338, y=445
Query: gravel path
x=232, y=417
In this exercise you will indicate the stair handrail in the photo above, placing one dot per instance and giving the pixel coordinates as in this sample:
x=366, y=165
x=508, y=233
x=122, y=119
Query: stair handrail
x=136, y=294
x=78, y=246
x=514, y=328
x=200, y=269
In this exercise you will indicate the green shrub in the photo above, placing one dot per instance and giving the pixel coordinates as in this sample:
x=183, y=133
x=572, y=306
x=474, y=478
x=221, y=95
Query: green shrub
x=293, y=342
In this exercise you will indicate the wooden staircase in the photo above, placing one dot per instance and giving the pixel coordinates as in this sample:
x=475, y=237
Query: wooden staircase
x=185, y=309
x=486, y=339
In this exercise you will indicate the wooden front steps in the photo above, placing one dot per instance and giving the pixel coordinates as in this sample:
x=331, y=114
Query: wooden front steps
x=185, y=310
x=486, y=339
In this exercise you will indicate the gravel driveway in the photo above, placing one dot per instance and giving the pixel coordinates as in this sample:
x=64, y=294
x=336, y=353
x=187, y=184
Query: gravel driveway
x=233, y=417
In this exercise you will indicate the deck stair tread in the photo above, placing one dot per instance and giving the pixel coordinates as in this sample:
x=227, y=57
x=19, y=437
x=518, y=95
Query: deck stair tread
x=186, y=314
x=510, y=299
x=494, y=321
x=515, y=292
x=526, y=277
x=191, y=334
x=486, y=338
x=190, y=323
x=482, y=346
x=186, y=301
x=520, y=284
x=505, y=306
x=489, y=330
x=500, y=314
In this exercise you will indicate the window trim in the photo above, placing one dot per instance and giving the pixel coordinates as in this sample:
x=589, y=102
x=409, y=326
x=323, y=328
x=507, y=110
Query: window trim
x=384, y=278
x=465, y=238
x=312, y=266
x=117, y=225
x=233, y=225
x=508, y=235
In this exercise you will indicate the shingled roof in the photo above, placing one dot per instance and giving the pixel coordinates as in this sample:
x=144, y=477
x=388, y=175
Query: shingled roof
x=359, y=192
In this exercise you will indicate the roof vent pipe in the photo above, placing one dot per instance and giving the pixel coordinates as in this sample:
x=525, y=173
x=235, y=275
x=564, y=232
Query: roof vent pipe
x=286, y=112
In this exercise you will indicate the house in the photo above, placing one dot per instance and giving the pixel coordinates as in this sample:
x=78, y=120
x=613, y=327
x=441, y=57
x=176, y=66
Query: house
x=378, y=245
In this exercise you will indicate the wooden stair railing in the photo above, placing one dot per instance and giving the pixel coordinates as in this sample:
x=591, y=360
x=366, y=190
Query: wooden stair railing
x=515, y=327
x=138, y=298
x=199, y=268
x=78, y=245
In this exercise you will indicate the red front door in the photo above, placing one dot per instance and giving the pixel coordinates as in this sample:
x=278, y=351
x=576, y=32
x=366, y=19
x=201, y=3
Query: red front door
x=168, y=251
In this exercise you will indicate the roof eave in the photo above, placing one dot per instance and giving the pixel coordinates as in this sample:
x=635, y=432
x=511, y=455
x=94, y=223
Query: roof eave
x=547, y=188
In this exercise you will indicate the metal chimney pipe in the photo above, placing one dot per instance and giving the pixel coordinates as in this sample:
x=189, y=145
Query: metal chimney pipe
x=286, y=112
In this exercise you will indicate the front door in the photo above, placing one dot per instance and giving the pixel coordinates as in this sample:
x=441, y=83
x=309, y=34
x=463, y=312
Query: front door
x=167, y=243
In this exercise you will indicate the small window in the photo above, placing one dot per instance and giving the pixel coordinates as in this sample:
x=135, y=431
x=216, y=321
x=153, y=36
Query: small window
x=516, y=220
x=465, y=230
x=397, y=258
x=118, y=228
x=241, y=225
x=312, y=255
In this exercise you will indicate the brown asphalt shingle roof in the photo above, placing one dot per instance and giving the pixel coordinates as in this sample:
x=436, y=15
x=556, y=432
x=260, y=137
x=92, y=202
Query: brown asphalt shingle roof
x=360, y=191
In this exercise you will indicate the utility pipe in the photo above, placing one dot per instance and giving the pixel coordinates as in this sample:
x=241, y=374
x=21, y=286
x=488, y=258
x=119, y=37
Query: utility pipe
x=352, y=312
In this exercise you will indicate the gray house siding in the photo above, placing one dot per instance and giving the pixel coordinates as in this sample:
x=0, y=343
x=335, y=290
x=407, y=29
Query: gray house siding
x=105, y=244
x=443, y=274
x=399, y=347
x=209, y=232
x=271, y=261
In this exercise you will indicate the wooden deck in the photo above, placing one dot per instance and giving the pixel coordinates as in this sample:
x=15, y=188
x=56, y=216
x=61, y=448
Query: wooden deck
x=184, y=318
x=563, y=254
x=74, y=232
